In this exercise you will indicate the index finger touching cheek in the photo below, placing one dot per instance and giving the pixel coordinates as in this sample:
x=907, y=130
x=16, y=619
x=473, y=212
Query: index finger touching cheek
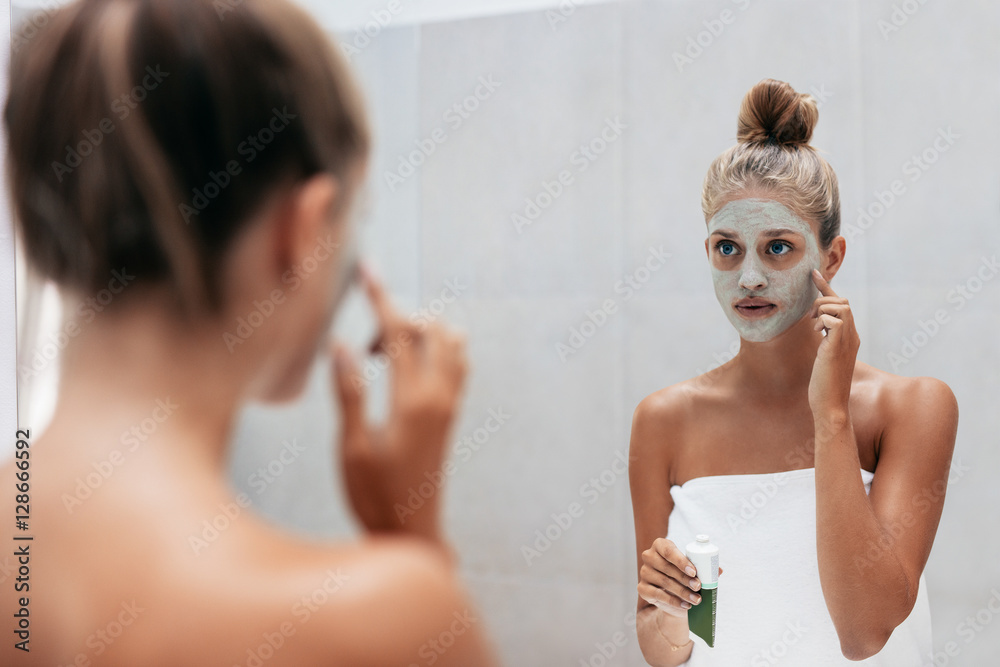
x=822, y=283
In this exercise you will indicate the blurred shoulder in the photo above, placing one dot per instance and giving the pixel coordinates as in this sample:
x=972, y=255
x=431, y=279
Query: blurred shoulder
x=382, y=601
x=402, y=602
x=262, y=592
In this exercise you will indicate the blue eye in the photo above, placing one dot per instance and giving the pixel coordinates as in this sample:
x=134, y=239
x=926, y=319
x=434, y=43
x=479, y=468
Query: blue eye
x=780, y=244
x=726, y=248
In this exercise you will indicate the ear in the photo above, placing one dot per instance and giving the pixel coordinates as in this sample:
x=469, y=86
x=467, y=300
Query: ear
x=833, y=257
x=707, y=253
x=304, y=216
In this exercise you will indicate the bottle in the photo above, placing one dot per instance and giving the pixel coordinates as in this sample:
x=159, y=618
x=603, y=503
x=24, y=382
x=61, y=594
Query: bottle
x=701, y=617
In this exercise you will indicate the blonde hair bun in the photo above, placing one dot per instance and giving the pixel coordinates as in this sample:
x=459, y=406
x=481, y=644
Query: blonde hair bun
x=773, y=111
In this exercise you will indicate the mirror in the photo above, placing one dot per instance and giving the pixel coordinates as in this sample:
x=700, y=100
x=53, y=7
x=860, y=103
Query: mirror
x=537, y=180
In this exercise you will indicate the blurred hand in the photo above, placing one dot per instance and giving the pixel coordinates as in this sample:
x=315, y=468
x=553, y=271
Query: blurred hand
x=385, y=464
x=663, y=581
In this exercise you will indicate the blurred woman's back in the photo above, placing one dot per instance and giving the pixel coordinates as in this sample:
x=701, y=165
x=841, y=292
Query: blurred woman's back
x=177, y=159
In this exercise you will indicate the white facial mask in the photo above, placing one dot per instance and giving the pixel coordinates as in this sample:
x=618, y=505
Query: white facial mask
x=789, y=288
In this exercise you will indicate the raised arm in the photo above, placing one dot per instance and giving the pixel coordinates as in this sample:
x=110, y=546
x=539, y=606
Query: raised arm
x=872, y=548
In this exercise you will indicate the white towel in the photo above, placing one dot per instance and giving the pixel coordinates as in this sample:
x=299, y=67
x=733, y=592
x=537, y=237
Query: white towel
x=771, y=609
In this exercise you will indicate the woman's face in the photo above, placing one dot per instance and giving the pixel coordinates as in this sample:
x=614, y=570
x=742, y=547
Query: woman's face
x=762, y=256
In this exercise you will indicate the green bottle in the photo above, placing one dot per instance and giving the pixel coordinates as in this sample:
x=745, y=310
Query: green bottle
x=701, y=617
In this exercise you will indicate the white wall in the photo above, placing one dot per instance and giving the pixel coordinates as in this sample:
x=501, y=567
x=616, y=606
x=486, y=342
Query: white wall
x=350, y=14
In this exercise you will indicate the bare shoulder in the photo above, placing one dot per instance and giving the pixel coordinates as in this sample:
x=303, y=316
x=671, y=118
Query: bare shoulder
x=658, y=429
x=666, y=408
x=260, y=595
x=665, y=412
x=382, y=601
x=158, y=569
x=400, y=602
x=915, y=415
x=907, y=398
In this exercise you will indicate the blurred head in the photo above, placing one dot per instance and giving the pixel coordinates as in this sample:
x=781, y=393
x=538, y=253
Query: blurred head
x=772, y=208
x=209, y=151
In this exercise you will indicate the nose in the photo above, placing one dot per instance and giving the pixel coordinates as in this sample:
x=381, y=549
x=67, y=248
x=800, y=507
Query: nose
x=752, y=276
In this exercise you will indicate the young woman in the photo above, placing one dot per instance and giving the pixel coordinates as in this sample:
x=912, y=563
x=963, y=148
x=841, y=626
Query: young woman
x=820, y=478
x=199, y=161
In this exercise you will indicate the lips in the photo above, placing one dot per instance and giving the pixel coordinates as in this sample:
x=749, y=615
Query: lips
x=753, y=308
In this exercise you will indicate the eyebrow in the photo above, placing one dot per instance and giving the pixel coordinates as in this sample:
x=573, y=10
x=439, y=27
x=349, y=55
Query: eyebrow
x=770, y=233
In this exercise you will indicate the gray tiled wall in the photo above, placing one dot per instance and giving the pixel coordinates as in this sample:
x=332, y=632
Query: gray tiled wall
x=883, y=99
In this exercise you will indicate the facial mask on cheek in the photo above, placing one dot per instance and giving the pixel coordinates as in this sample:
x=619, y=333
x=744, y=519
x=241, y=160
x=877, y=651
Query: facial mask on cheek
x=792, y=289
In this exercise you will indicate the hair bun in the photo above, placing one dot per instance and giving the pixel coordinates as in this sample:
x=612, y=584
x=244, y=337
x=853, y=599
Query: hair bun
x=773, y=111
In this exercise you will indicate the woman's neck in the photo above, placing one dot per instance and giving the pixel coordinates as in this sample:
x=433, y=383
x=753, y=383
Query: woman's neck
x=782, y=366
x=137, y=372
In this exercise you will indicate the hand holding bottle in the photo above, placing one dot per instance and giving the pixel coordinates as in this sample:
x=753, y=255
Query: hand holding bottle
x=667, y=579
